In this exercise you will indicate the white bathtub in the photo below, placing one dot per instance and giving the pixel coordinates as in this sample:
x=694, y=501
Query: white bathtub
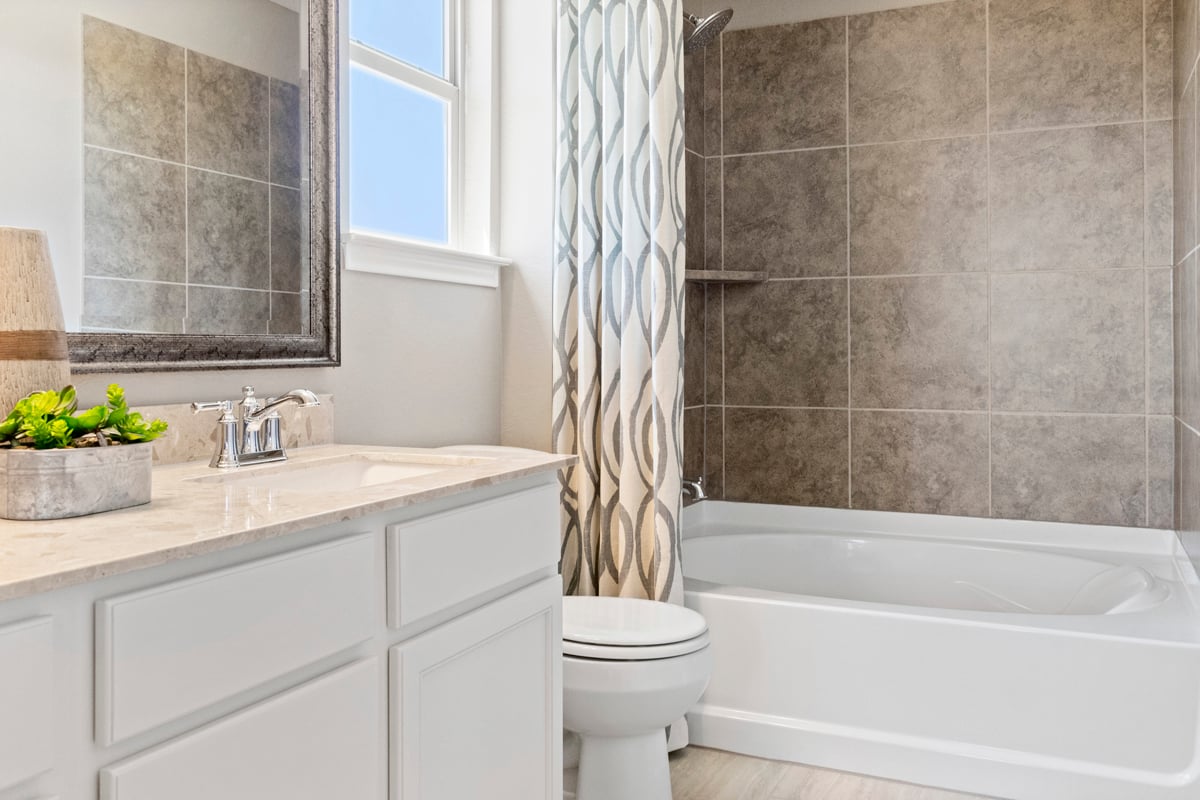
x=1019, y=660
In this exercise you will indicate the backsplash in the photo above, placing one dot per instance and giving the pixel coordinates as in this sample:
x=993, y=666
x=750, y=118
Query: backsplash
x=195, y=222
x=965, y=210
x=193, y=437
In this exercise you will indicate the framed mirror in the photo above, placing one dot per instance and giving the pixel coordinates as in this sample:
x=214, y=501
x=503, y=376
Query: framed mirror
x=182, y=157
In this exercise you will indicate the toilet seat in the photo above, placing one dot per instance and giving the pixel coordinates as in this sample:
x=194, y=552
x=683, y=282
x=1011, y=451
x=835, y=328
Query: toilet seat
x=627, y=629
x=637, y=652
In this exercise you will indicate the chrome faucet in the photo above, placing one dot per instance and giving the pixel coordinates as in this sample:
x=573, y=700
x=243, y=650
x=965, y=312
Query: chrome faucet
x=693, y=489
x=254, y=437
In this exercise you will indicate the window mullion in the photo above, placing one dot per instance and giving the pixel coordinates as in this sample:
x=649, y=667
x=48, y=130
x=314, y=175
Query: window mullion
x=394, y=69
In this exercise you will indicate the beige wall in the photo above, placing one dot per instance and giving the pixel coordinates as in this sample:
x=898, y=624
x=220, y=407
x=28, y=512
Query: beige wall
x=965, y=211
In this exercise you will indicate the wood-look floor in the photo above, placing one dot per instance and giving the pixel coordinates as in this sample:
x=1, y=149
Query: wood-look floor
x=700, y=774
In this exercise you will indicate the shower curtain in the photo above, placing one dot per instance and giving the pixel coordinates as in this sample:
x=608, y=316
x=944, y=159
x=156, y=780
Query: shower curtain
x=618, y=295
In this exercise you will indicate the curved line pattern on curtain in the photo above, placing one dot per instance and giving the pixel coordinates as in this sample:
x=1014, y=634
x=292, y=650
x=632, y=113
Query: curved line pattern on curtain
x=618, y=295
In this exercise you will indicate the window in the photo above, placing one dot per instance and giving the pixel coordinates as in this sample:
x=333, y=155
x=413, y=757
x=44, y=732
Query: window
x=404, y=106
x=421, y=138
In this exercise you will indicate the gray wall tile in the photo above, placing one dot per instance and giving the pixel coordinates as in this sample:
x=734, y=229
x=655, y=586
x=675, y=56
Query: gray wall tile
x=1186, y=317
x=137, y=306
x=228, y=229
x=1068, y=341
x=1160, y=464
x=919, y=342
x=1183, y=35
x=789, y=456
x=712, y=98
x=786, y=213
x=133, y=217
x=714, y=451
x=287, y=315
x=918, y=207
x=918, y=72
x=1160, y=208
x=714, y=345
x=286, y=137
x=228, y=125
x=1067, y=198
x=693, y=443
x=1160, y=377
x=693, y=345
x=785, y=344
x=132, y=91
x=1184, y=169
x=695, y=196
x=785, y=86
x=289, y=240
x=1065, y=62
x=1069, y=468
x=1187, y=443
x=693, y=101
x=1159, y=60
x=235, y=311
x=714, y=218
x=920, y=462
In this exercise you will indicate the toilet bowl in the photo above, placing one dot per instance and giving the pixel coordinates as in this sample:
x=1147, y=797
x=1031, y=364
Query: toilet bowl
x=630, y=669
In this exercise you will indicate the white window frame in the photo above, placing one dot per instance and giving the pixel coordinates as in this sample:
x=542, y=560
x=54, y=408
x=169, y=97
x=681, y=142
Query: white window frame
x=470, y=90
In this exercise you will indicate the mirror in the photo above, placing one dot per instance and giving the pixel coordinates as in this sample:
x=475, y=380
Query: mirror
x=181, y=156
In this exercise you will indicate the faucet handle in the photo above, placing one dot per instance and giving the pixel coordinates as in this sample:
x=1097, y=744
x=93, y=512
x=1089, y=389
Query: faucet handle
x=224, y=406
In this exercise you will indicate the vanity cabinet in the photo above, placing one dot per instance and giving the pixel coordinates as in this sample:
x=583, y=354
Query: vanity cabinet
x=411, y=654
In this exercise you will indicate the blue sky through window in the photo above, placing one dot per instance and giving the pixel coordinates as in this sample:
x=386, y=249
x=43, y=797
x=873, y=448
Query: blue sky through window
x=413, y=31
x=398, y=166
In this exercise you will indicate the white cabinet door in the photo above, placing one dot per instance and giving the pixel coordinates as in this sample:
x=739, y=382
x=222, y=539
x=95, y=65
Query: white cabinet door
x=317, y=742
x=476, y=705
x=26, y=700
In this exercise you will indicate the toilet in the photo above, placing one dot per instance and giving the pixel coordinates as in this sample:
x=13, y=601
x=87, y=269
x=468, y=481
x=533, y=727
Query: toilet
x=630, y=669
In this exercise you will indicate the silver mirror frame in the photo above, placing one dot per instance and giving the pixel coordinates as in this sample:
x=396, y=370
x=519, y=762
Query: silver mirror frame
x=320, y=347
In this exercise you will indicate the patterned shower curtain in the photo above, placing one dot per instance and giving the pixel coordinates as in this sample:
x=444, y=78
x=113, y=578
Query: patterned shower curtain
x=618, y=295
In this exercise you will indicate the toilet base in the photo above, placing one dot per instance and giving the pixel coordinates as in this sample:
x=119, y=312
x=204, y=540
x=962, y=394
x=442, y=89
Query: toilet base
x=624, y=767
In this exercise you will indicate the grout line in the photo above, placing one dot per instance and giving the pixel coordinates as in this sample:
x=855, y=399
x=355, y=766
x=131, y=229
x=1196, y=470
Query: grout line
x=849, y=371
x=987, y=146
x=187, y=200
x=964, y=411
x=189, y=166
x=270, y=214
x=184, y=284
x=892, y=142
x=903, y=275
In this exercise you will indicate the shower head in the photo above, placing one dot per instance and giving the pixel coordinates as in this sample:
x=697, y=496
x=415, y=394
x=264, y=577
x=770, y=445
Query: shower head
x=705, y=31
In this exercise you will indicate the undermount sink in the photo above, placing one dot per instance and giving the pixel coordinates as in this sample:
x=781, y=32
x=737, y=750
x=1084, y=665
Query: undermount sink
x=343, y=474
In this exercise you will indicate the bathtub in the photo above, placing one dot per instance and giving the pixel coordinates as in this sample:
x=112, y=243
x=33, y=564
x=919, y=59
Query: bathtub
x=1032, y=661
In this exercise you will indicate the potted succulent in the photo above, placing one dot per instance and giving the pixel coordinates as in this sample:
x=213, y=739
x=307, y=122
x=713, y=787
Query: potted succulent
x=57, y=463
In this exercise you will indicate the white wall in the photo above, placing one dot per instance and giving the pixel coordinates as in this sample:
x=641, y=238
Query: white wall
x=757, y=13
x=527, y=135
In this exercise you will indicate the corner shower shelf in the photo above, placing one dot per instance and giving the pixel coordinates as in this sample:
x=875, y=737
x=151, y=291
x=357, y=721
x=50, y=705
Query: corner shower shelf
x=723, y=276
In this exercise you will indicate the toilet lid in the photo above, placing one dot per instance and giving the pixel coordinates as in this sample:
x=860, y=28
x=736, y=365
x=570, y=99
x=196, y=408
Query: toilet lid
x=616, y=652
x=626, y=622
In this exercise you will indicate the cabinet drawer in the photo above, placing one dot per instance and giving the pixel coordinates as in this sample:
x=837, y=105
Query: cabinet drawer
x=26, y=700
x=476, y=704
x=444, y=560
x=173, y=649
x=316, y=742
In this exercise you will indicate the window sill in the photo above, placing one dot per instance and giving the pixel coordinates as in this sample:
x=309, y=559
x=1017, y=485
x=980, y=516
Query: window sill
x=382, y=255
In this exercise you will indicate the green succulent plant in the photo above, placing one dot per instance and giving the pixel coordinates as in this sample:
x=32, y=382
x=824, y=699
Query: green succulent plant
x=48, y=421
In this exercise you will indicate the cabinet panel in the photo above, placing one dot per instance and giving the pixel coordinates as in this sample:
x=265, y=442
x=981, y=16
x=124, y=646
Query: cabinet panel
x=317, y=742
x=26, y=700
x=170, y=650
x=439, y=561
x=476, y=704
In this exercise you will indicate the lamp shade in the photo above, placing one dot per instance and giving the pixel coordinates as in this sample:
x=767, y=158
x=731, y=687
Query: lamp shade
x=33, y=342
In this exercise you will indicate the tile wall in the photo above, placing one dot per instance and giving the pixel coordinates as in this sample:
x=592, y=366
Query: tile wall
x=194, y=219
x=966, y=213
x=1186, y=287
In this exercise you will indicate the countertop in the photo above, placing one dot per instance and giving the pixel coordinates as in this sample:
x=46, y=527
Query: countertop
x=187, y=518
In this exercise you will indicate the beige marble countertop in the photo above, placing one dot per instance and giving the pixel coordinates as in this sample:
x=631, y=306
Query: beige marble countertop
x=188, y=518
